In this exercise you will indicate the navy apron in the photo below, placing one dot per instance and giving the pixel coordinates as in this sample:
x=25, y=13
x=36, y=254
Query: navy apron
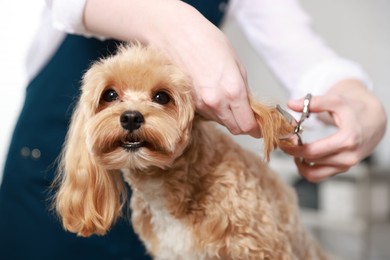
x=28, y=229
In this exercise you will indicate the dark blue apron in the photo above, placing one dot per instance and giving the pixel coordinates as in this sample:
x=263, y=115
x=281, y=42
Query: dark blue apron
x=28, y=229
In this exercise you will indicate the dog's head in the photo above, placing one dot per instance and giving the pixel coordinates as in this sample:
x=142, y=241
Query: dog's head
x=135, y=111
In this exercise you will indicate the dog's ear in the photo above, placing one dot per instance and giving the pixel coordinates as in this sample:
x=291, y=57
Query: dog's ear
x=273, y=126
x=89, y=198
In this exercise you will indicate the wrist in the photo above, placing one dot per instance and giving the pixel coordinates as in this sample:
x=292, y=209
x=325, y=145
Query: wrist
x=348, y=87
x=359, y=97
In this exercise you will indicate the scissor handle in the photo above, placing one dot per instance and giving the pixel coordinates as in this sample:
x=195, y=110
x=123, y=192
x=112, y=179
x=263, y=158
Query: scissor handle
x=298, y=129
x=305, y=110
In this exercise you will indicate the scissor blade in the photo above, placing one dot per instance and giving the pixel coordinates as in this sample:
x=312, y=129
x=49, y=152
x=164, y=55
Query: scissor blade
x=290, y=119
x=286, y=115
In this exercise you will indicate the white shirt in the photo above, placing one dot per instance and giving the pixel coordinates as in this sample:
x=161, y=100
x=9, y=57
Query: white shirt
x=279, y=30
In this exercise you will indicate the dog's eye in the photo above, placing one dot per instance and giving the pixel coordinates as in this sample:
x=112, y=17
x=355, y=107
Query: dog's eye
x=161, y=98
x=110, y=95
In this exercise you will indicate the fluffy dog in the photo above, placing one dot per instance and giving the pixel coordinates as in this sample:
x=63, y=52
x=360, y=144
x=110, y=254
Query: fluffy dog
x=196, y=193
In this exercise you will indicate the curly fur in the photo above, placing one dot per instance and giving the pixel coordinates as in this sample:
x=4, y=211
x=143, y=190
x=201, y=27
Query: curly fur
x=196, y=193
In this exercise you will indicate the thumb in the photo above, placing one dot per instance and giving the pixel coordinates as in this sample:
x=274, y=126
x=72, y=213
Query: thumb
x=325, y=106
x=317, y=104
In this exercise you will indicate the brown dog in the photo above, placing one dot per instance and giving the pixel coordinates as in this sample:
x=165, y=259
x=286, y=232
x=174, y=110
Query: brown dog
x=196, y=193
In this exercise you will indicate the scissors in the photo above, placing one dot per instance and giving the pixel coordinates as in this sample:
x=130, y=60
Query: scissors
x=298, y=129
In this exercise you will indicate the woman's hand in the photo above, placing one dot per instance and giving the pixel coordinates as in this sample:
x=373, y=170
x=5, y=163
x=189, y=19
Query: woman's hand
x=218, y=77
x=361, y=122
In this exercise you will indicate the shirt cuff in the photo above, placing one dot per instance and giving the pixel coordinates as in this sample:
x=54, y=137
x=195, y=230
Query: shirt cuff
x=67, y=16
x=326, y=74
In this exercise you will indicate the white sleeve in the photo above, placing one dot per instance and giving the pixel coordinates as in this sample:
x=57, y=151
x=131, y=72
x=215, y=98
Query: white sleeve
x=67, y=15
x=280, y=31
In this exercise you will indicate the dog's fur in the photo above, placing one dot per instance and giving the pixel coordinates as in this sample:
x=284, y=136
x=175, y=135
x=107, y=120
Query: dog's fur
x=196, y=193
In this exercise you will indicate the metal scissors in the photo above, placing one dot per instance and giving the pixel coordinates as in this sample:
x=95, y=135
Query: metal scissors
x=298, y=129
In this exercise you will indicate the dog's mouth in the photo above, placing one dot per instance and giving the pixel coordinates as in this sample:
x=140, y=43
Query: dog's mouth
x=132, y=144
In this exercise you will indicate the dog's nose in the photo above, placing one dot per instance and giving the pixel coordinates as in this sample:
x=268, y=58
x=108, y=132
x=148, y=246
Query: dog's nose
x=131, y=120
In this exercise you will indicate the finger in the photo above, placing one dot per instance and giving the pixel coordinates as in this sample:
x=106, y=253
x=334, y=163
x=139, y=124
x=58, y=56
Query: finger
x=336, y=143
x=223, y=116
x=317, y=104
x=293, y=150
x=211, y=106
x=317, y=173
x=237, y=96
x=346, y=159
x=242, y=111
x=227, y=118
x=245, y=119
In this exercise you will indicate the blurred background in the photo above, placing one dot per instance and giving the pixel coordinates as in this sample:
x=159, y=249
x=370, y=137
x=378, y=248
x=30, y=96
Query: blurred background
x=349, y=213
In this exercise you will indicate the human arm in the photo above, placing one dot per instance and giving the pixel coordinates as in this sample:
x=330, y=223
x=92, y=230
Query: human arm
x=303, y=63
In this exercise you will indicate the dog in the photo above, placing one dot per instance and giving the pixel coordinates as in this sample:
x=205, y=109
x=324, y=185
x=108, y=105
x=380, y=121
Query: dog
x=196, y=194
